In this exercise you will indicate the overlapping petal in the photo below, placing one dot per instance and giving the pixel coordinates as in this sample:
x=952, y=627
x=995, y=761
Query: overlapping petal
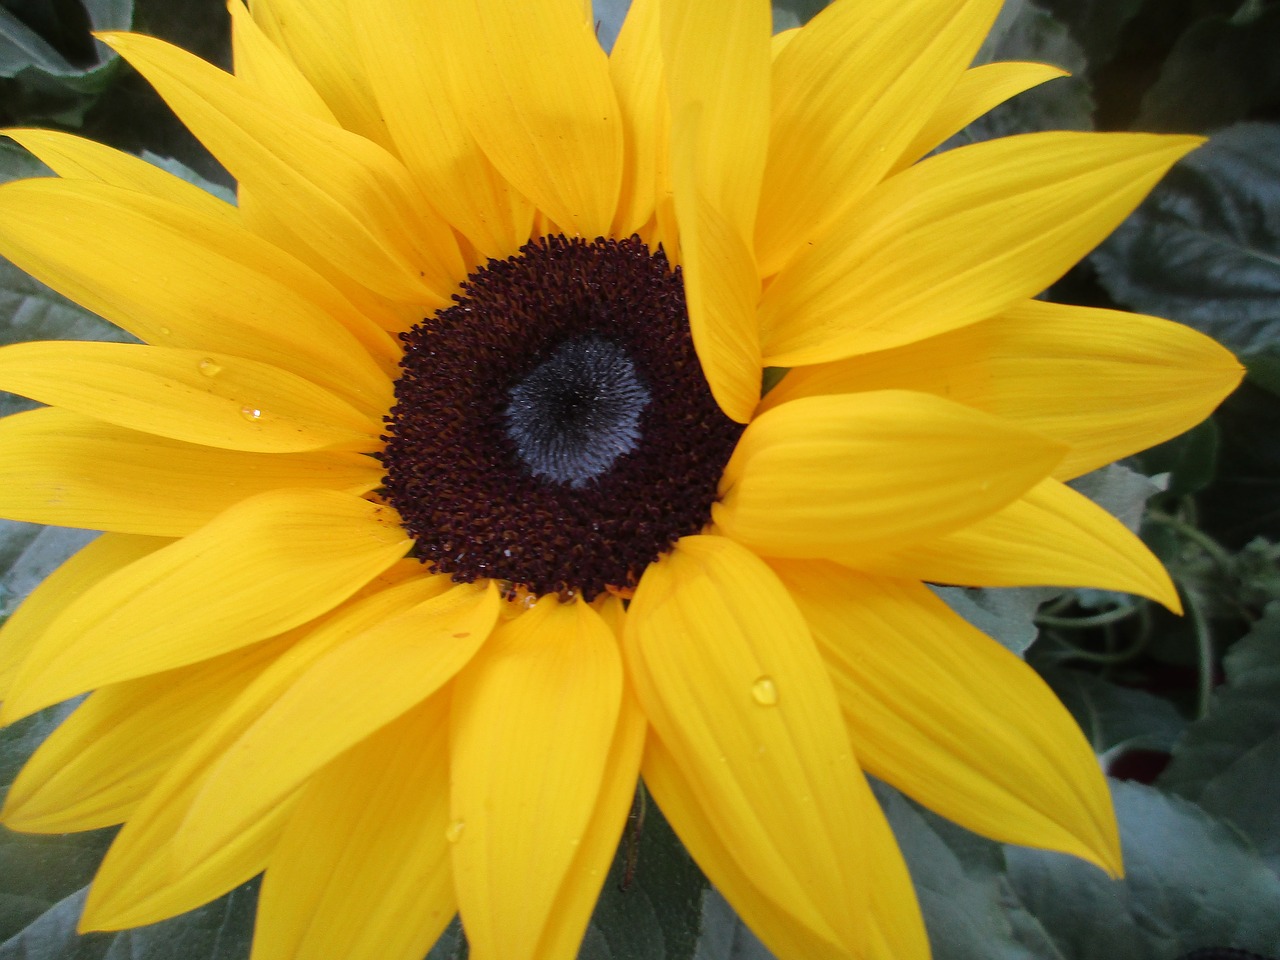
x=93, y=770
x=947, y=715
x=721, y=284
x=843, y=475
x=1107, y=383
x=319, y=38
x=361, y=870
x=227, y=290
x=139, y=881
x=636, y=70
x=268, y=69
x=849, y=94
x=95, y=562
x=404, y=49
x=77, y=158
x=58, y=467
x=978, y=90
x=344, y=196
x=195, y=396
x=724, y=88
x=351, y=691
x=735, y=691
x=533, y=728
x=267, y=565
x=554, y=131
x=956, y=238
x=1051, y=536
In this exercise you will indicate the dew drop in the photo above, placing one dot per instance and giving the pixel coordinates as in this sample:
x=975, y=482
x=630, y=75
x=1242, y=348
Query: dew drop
x=765, y=692
x=209, y=367
x=165, y=331
x=453, y=833
x=251, y=413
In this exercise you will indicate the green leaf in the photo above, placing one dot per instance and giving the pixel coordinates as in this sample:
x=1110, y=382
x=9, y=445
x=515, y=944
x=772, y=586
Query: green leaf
x=56, y=76
x=651, y=902
x=1229, y=761
x=28, y=554
x=1243, y=502
x=795, y=13
x=1191, y=881
x=1008, y=615
x=1114, y=718
x=1221, y=70
x=724, y=936
x=1024, y=31
x=1095, y=24
x=1119, y=490
x=1190, y=461
x=1204, y=248
x=959, y=881
x=221, y=930
x=38, y=871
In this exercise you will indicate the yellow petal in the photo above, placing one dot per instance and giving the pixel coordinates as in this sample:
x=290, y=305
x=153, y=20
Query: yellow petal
x=952, y=718
x=353, y=690
x=99, y=559
x=142, y=888
x=734, y=688
x=635, y=67
x=77, y=158
x=895, y=927
x=957, y=238
x=533, y=724
x=725, y=84
x=101, y=761
x=843, y=475
x=318, y=37
x=343, y=195
x=1107, y=383
x=848, y=95
x=576, y=899
x=1052, y=536
x=139, y=882
x=57, y=467
x=403, y=48
x=362, y=871
x=223, y=290
x=191, y=395
x=978, y=90
x=721, y=286
x=268, y=69
x=550, y=126
x=265, y=566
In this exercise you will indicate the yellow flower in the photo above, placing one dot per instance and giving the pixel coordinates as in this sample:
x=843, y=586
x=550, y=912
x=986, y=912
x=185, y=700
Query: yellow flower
x=421, y=672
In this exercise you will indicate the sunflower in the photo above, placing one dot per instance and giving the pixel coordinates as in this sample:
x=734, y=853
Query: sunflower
x=441, y=502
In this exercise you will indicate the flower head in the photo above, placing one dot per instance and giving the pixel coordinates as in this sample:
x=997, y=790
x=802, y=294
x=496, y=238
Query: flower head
x=441, y=502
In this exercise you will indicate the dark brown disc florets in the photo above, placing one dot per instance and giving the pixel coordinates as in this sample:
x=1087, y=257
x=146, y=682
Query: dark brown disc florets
x=553, y=427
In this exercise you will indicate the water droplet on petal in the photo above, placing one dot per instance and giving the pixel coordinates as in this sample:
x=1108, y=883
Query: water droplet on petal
x=209, y=368
x=165, y=331
x=251, y=413
x=453, y=833
x=765, y=692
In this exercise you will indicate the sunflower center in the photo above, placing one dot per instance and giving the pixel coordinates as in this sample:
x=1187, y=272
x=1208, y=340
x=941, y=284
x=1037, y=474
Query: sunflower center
x=552, y=429
x=577, y=412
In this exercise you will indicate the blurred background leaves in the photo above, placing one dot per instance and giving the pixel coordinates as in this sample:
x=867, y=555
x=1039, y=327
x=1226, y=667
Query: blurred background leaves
x=1184, y=713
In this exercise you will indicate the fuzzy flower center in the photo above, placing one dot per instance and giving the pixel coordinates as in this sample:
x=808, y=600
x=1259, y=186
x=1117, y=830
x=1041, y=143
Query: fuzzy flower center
x=552, y=429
